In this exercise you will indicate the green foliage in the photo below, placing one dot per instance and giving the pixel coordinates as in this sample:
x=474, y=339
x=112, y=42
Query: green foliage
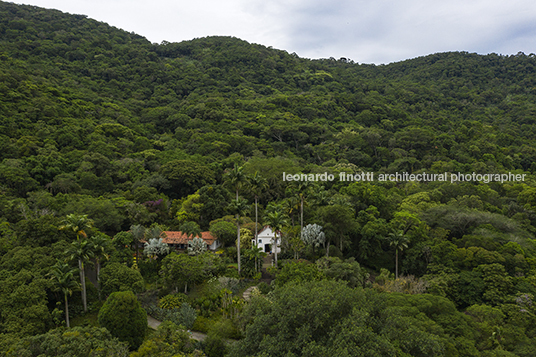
x=184, y=315
x=172, y=301
x=203, y=324
x=330, y=318
x=98, y=124
x=186, y=176
x=124, y=317
x=264, y=288
x=77, y=341
x=338, y=222
x=116, y=277
x=62, y=276
x=214, y=346
x=187, y=315
x=225, y=329
x=298, y=272
x=224, y=231
x=181, y=270
x=24, y=303
x=168, y=341
x=349, y=271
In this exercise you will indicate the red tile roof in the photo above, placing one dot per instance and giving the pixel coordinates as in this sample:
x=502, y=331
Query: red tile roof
x=175, y=237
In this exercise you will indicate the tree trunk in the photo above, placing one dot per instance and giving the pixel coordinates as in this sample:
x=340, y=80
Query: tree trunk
x=256, y=232
x=98, y=278
x=185, y=287
x=238, y=234
x=67, y=312
x=275, y=248
x=396, y=264
x=301, y=224
x=238, y=243
x=83, y=282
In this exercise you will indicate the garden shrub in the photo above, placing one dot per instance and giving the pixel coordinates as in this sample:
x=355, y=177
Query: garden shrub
x=171, y=301
x=124, y=317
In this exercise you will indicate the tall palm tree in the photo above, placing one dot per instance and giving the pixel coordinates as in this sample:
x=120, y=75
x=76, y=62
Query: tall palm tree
x=276, y=219
x=100, y=246
x=81, y=250
x=62, y=276
x=138, y=233
x=257, y=185
x=239, y=207
x=79, y=224
x=291, y=204
x=298, y=193
x=235, y=178
x=399, y=241
x=303, y=190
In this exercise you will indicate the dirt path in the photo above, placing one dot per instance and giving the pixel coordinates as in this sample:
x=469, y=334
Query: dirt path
x=267, y=261
x=247, y=294
x=154, y=323
x=199, y=336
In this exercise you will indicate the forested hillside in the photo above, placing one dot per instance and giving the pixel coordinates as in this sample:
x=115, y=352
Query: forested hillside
x=100, y=123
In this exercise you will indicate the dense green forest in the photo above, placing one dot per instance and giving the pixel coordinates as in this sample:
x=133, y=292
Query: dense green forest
x=107, y=139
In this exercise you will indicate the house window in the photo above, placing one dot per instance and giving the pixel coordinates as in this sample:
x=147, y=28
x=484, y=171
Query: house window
x=260, y=240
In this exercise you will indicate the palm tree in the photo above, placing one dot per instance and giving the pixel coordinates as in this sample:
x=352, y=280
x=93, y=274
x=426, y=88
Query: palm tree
x=153, y=232
x=298, y=193
x=257, y=185
x=62, y=276
x=239, y=208
x=302, y=192
x=255, y=253
x=236, y=178
x=100, y=246
x=276, y=219
x=81, y=250
x=191, y=229
x=78, y=224
x=400, y=241
x=138, y=233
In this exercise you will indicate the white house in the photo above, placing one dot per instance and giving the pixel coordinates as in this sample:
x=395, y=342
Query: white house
x=266, y=240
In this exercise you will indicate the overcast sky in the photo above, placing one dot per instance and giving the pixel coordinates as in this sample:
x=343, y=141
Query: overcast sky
x=372, y=31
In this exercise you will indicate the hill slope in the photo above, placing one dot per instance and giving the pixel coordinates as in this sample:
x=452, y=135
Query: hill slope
x=89, y=109
x=100, y=122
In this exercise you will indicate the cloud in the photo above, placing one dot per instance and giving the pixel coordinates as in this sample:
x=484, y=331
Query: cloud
x=379, y=31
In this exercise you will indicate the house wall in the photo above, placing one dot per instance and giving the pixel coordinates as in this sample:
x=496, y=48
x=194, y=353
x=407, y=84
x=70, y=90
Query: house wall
x=214, y=245
x=266, y=237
